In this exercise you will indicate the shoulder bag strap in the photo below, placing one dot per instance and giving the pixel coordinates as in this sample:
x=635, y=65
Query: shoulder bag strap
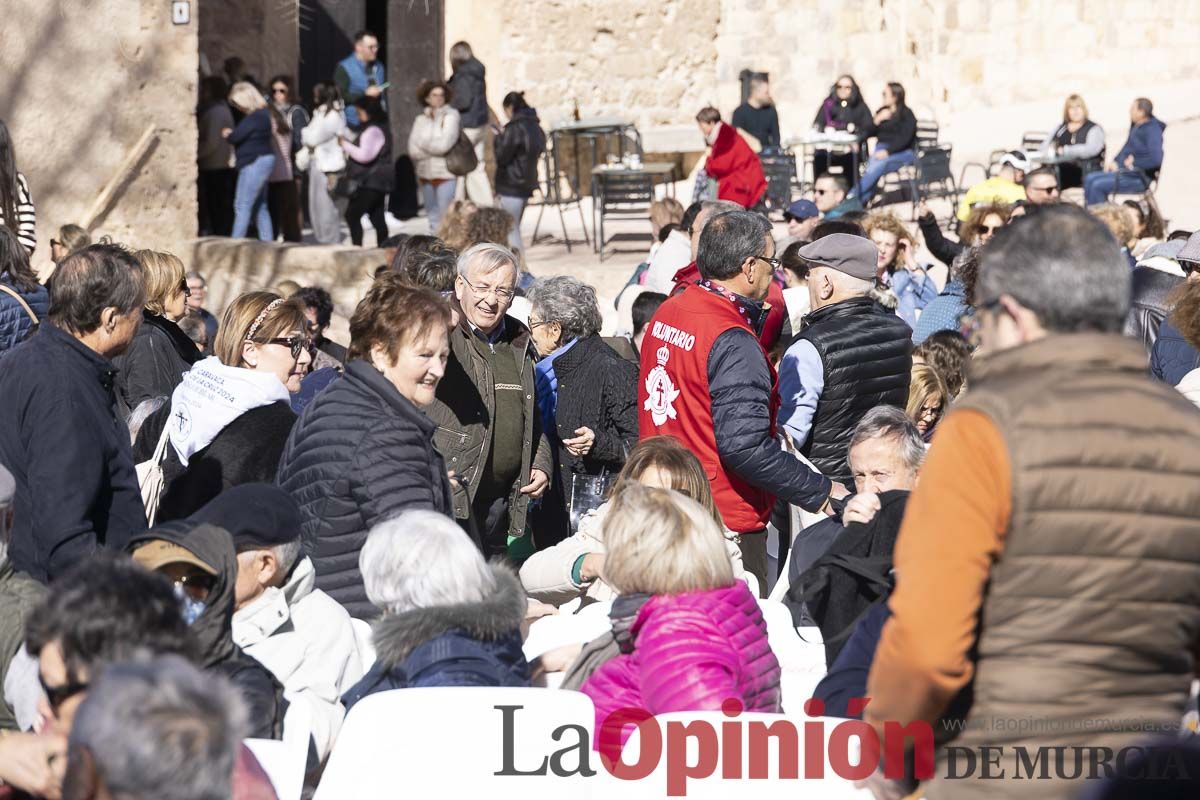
x=20, y=301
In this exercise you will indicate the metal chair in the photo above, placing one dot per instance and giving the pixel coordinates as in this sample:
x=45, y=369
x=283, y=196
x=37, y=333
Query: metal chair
x=927, y=134
x=618, y=195
x=988, y=169
x=1032, y=141
x=932, y=177
x=779, y=168
x=553, y=194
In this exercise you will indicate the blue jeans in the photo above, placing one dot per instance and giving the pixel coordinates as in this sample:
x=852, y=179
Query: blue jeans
x=250, y=199
x=876, y=169
x=437, y=198
x=1097, y=186
x=516, y=207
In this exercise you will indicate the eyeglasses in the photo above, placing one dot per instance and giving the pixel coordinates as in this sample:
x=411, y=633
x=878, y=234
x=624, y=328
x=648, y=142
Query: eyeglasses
x=934, y=412
x=296, y=344
x=845, y=86
x=774, y=262
x=1189, y=267
x=183, y=287
x=57, y=695
x=500, y=292
x=197, y=586
x=1046, y=189
x=279, y=90
x=989, y=229
x=533, y=326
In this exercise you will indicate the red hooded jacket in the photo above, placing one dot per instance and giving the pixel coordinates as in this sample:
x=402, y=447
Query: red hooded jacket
x=736, y=167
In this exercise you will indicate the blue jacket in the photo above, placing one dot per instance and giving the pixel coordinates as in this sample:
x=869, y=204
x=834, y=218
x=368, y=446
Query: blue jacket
x=942, y=313
x=252, y=137
x=469, y=644
x=1172, y=357
x=355, y=82
x=847, y=678
x=1145, y=144
x=15, y=324
x=67, y=448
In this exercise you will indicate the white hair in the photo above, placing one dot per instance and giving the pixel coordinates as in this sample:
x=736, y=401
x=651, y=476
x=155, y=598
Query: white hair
x=419, y=559
x=490, y=258
x=286, y=555
x=845, y=284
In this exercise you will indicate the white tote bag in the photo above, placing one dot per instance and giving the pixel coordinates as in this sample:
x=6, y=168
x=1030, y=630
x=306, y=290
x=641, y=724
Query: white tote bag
x=150, y=477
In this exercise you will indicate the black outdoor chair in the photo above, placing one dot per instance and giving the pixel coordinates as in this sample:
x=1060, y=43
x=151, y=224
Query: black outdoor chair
x=1032, y=141
x=779, y=168
x=553, y=193
x=927, y=134
x=932, y=178
x=617, y=195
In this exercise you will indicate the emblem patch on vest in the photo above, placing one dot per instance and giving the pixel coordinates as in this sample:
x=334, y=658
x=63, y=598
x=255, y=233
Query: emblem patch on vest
x=661, y=390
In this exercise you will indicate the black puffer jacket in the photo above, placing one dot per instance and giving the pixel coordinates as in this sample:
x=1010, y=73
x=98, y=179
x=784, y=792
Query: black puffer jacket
x=518, y=148
x=470, y=93
x=866, y=354
x=597, y=389
x=360, y=453
x=155, y=362
x=1151, y=289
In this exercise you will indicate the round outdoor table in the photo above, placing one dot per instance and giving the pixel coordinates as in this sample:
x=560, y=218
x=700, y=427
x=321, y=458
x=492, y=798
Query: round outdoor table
x=835, y=141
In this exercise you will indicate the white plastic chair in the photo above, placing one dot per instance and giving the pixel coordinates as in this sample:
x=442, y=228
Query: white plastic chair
x=715, y=786
x=802, y=660
x=450, y=740
x=286, y=761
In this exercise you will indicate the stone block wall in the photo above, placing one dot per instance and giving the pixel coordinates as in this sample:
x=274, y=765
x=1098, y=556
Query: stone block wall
x=79, y=83
x=263, y=33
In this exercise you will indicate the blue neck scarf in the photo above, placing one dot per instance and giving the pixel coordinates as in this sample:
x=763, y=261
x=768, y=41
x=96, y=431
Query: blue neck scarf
x=547, y=388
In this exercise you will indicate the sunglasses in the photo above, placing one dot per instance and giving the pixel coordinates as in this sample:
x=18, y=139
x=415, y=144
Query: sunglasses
x=279, y=90
x=57, y=695
x=844, y=86
x=197, y=586
x=1046, y=189
x=1189, y=267
x=296, y=344
x=989, y=229
x=183, y=287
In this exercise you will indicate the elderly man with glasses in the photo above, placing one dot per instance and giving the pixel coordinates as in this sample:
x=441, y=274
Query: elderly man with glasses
x=489, y=428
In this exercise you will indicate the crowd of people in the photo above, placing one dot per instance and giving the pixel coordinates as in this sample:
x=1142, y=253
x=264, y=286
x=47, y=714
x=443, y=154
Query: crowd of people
x=980, y=470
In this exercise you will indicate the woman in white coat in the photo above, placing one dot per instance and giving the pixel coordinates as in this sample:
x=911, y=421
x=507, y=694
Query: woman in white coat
x=326, y=161
x=434, y=132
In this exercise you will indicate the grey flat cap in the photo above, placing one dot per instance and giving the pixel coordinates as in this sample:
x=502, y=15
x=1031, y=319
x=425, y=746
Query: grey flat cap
x=8, y=487
x=1164, y=250
x=1191, y=250
x=844, y=252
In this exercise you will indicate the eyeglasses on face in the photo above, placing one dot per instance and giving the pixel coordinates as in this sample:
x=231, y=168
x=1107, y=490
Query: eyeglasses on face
x=1189, y=267
x=295, y=344
x=845, y=86
x=57, y=695
x=989, y=229
x=502, y=293
x=774, y=262
x=279, y=90
x=183, y=287
x=196, y=585
x=1046, y=189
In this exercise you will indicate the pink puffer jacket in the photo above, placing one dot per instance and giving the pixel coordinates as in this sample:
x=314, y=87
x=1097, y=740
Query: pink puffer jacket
x=691, y=652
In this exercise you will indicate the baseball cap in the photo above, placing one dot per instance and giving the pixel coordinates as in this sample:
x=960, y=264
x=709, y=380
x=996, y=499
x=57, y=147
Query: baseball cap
x=157, y=553
x=855, y=256
x=257, y=515
x=801, y=210
x=1015, y=159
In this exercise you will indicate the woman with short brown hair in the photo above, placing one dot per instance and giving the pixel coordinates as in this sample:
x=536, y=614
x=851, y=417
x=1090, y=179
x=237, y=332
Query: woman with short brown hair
x=434, y=132
x=363, y=449
x=160, y=352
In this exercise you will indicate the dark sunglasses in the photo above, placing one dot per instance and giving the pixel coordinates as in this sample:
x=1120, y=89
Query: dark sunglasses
x=989, y=228
x=197, y=586
x=1046, y=189
x=279, y=91
x=844, y=86
x=57, y=695
x=1189, y=267
x=297, y=344
x=183, y=287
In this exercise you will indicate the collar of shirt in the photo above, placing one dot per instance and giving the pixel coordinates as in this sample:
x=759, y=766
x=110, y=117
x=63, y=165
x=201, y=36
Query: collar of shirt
x=752, y=311
x=490, y=338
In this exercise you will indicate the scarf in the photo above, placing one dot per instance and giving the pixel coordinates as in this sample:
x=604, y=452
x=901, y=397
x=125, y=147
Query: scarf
x=547, y=388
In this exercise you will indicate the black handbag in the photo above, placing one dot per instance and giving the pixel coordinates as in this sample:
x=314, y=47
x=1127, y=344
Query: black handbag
x=346, y=186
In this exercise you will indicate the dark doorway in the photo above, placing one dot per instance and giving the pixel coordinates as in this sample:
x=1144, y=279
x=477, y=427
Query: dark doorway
x=327, y=30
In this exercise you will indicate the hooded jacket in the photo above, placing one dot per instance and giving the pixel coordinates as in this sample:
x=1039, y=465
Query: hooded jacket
x=307, y=642
x=469, y=87
x=213, y=630
x=737, y=169
x=724, y=654
x=468, y=644
x=229, y=426
x=518, y=148
x=155, y=362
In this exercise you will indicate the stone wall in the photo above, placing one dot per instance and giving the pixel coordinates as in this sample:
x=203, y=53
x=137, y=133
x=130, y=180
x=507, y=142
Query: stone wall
x=79, y=83
x=987, y=70
x=263, y=33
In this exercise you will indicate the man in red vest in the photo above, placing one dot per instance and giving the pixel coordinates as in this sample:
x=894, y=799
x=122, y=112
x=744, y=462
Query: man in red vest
x=707, y=381
x=737, y=169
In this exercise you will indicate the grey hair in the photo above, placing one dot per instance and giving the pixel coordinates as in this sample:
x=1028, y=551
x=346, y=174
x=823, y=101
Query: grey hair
x=286, y=555
x=711, y=208
x=195, y=276
x=1062, y=264
x=419, y=559
x=889, y=422
x=490, y=257
x=728, y=239
x=160, y=729
x=568, y=301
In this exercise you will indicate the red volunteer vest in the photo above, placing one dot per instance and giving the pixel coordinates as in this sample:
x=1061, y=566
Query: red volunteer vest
x=674, y=398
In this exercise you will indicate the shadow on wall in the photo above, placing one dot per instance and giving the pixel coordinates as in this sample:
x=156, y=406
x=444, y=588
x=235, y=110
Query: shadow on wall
x=73, y=144
x=234, y=266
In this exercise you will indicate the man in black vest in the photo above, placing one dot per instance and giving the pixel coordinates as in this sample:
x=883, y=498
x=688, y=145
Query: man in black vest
x=851, y=355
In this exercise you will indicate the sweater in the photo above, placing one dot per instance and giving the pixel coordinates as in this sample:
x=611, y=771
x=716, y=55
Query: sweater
x=252, y=137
